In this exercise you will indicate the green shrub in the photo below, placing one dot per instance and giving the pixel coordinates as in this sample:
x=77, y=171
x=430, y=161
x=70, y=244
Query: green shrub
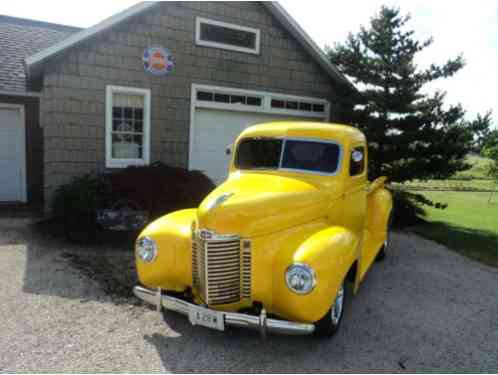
x=75, y=206
x=157, y=189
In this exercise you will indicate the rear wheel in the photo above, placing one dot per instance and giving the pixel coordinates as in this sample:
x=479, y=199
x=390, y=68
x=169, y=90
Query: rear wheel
x=330, y=323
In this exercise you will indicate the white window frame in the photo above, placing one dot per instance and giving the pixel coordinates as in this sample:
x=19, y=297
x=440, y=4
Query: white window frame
x=230, y=47
x=111, y=162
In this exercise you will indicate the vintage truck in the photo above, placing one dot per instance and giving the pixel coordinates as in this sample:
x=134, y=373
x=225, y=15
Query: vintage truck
x=275, y=247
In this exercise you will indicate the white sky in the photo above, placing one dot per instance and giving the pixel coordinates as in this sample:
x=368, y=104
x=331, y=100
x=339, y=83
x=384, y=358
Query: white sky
x=467, y=27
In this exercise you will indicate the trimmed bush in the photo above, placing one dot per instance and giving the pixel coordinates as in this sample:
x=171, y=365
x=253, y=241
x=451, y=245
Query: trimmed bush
x=75, y=205
x=158, y=189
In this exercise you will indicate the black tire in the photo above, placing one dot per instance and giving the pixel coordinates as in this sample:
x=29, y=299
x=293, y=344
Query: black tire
x=327, y=327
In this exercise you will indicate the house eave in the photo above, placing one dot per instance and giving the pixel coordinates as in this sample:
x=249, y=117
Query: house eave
x=34, y=63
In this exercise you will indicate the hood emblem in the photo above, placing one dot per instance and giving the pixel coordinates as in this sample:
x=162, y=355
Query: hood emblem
x=205, y=234
x=219, y=200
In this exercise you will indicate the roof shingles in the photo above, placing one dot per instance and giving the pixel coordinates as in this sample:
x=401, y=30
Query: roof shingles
x=20, y=38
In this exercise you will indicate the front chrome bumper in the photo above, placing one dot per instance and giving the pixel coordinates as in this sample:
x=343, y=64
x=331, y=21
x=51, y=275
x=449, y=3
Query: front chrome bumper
x=260, y=323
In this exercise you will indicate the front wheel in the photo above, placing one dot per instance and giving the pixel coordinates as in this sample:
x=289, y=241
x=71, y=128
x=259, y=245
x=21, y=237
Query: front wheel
x=330, y=323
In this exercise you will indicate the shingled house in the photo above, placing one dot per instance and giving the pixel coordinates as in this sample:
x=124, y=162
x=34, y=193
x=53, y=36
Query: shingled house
x=172, y=82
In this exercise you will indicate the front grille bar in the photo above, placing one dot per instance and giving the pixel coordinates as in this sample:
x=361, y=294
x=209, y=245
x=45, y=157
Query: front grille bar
x=221, y=267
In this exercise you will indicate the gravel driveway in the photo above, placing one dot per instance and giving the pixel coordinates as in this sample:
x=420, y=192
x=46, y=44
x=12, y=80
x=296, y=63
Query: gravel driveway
x=423, y=308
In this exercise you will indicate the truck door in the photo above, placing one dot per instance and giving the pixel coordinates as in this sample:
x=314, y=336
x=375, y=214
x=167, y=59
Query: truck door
x=355, y=197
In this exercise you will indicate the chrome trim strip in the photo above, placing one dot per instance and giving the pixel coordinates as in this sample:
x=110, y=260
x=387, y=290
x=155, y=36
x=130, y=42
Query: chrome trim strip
x=259, y=323
x=201, y=233
x=205, y=261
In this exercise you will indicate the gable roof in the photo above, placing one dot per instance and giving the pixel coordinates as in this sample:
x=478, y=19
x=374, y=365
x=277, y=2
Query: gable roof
x=19, y=38
x=35, y=62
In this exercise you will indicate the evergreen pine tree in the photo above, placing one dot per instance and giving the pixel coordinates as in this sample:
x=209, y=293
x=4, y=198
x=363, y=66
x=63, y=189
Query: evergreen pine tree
x=411, y=134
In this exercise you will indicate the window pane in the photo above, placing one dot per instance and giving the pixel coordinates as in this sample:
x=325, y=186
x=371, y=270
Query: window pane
x=138, y=140
x=258, y=154
x=275, y=103
x=253, y=100
x=205, y=96
x=305, y=106
x=291, y=105
x=117, y=112
x=138, y=113
x=128, y=100
x=126, y=146
x=238, y=99
x=122, y=126
x=318, y=108
x=128, y=113
x=311, y=156
x=225, y=35
x=138, y=126
x=222, y=98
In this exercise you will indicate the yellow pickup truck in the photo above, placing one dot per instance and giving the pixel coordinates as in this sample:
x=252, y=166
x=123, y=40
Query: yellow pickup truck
x=280, y=243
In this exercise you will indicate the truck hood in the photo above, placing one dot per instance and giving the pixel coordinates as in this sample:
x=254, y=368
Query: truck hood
x=253, y=204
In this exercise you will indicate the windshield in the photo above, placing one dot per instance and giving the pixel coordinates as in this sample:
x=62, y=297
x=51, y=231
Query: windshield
x=294, y=154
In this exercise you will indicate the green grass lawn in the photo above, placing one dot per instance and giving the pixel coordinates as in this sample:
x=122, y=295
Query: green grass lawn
x=468, y=225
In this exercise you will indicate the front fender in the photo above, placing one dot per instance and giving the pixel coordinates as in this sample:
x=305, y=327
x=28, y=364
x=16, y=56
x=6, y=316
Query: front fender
x=331, y=253
x=172, y=268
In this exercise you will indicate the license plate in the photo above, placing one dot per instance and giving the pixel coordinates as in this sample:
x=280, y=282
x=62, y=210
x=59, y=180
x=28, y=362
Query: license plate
x=207, y=318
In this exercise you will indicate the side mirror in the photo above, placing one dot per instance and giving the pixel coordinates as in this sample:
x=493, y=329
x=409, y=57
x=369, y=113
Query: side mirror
x=228, y=150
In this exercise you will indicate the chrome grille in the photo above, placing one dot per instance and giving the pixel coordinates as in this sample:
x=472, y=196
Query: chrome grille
x=220, y=271
x=246, y=269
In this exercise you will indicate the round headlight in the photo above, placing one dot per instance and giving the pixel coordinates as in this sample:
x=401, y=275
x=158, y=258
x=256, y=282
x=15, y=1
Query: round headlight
x=146, y=249
x=300, y=278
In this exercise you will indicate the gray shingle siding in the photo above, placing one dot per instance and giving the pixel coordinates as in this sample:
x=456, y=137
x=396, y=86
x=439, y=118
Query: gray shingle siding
x=72, y=106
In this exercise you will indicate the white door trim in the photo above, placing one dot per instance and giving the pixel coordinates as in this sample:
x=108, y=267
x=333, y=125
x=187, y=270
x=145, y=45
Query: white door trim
x=265, y=106
x=20, y=107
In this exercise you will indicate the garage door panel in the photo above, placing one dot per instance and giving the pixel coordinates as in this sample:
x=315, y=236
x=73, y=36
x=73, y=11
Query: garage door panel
x=11, y=155
x=8, y=149
x=214, y=130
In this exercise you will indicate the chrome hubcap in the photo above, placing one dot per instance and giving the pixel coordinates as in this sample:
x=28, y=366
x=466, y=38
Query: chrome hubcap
x=336, y=311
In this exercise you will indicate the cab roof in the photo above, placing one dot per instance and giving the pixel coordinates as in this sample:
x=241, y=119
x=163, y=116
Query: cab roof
x=301, y=129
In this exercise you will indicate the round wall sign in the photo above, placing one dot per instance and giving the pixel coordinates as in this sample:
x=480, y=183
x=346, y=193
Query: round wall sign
x=158, y=61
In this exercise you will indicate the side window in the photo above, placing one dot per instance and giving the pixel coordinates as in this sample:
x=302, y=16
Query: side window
x=357, y=161
x=127, y=126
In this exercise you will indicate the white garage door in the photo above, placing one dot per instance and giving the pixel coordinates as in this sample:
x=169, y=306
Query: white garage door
x=220, y=114
x=214, y=130
x=12, y=167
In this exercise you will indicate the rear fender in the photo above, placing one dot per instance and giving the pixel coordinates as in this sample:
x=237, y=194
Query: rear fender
x=379, y=207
